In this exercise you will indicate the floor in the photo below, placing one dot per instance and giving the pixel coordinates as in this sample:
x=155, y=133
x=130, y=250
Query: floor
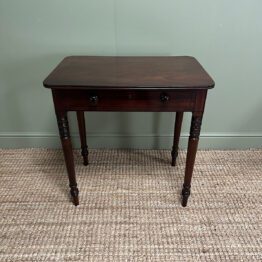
x=130, y=207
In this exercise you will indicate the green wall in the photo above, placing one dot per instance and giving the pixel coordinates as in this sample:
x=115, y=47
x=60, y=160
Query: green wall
x=225, y=36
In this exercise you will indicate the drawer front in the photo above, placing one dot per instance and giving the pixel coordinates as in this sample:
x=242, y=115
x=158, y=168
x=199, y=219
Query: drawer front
x=130, y=101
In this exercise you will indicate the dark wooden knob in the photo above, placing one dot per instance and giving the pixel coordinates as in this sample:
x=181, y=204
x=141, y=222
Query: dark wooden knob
x=93, y=99
x=164, y=97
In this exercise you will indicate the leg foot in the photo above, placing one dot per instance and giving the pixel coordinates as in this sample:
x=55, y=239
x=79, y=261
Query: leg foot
x=174, y=154
x=84, y=154
x=185, y=195
x=74, y=193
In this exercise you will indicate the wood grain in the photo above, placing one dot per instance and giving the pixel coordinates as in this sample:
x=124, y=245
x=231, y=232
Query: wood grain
x=109, y=72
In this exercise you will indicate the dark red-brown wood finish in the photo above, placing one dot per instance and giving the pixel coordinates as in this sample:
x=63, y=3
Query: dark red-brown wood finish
x=131, y=84
x=109, y=72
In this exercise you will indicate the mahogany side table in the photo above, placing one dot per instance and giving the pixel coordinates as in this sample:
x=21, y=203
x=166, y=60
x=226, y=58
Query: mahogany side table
x=132, y=84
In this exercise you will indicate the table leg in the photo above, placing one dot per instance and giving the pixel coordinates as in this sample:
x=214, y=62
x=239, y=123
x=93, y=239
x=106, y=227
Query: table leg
x=68, y=154
x=82, y=132
x=191, y=155
x=177, y=131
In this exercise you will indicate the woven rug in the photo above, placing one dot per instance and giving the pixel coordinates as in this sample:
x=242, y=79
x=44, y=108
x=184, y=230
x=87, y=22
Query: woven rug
x=130, y=207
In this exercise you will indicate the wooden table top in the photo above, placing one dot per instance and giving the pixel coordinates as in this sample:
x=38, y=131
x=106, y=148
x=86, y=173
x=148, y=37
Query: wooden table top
x=108, y=72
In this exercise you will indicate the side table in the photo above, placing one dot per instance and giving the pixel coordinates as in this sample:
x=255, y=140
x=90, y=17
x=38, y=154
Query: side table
x=129, y=84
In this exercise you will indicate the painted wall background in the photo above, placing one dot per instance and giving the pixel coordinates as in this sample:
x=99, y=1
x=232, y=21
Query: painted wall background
x=225, y=36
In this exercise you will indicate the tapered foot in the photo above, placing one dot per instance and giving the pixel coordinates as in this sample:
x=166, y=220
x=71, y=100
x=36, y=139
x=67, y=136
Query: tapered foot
x=174, y=155
x=74, y=193
x=84, y=154
x=185, y=195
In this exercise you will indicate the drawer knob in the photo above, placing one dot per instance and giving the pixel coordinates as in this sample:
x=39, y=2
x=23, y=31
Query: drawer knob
x=93, y=99
x=164, y=97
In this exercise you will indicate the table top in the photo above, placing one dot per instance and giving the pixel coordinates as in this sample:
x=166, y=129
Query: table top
x=133, y=72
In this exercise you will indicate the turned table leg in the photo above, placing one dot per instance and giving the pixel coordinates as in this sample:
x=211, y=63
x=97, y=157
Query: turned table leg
x=191, y=155
x=68, y=154
x=177, y=131
x=82, y=132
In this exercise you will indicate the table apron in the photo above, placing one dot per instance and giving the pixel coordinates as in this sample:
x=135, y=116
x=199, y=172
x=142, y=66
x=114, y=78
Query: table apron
x=129, y=101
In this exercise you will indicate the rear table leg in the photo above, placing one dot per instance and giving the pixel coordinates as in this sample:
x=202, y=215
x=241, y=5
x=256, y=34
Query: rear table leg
x=177, y=132
x=82, y=132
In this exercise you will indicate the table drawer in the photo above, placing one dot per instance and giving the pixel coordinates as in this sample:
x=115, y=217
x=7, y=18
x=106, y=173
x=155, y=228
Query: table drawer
x=114, y=100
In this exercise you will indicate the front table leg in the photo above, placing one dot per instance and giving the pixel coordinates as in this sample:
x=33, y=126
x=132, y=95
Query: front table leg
x=191, y=155
x=68, y=154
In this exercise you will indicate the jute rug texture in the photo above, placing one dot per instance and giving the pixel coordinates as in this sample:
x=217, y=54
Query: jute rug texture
x=130, y=207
